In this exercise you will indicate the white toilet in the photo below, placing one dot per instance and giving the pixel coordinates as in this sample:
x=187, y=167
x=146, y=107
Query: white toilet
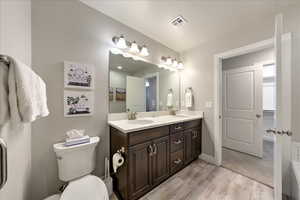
x=75, y=163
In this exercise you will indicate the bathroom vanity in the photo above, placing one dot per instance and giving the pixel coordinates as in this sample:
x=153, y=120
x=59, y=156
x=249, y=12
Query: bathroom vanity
x=155, y=149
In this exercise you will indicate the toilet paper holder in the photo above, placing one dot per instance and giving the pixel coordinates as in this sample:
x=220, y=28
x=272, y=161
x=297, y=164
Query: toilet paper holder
x=118, y=159
x=121, y=151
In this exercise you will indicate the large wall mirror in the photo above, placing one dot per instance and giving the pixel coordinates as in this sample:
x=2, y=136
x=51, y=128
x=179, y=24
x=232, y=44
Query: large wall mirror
x=141, y=86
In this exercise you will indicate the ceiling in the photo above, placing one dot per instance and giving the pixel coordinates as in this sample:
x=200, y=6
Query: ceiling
x=207, y=20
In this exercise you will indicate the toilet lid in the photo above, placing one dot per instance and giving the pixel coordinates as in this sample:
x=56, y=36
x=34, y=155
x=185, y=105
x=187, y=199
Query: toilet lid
x=88, y=187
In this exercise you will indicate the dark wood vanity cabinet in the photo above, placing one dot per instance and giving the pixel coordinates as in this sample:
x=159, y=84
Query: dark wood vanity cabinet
x=192, y=144
x=153, y=155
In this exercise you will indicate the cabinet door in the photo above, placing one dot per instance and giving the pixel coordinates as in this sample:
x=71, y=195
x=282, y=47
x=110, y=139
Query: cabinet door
x=188, y=147
x=139, y=169
x=160, y=160
x=196, y=143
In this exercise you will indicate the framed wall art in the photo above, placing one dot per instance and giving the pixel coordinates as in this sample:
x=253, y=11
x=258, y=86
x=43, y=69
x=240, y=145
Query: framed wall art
x=78, y=75
x=78, y=103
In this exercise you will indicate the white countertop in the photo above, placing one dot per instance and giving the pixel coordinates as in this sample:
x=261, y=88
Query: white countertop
x=143, y=123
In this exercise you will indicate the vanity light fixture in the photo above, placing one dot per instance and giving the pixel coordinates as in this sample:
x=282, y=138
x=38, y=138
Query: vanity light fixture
x=129, y=49
x=144, y=51
x=134, y=48
x=180, y=65
x=175, y=63
x=121, y=42
x=169, y=61
x=171, y=64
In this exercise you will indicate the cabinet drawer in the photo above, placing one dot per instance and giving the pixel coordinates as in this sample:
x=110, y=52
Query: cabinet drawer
x=174, y=128
x=176, y=161
x=192, y=124
x=177, y=142
x=146, y=135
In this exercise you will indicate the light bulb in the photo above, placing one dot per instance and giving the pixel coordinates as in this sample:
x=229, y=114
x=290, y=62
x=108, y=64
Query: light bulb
x=144, y=51
x=134, y=47
x=120, y=67
x=169, y=61
x=175, y=63
x=180, y=65
x=121, y=42
x=147, y=84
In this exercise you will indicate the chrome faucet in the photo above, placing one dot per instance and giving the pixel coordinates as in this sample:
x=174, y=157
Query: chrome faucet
x=131, y=115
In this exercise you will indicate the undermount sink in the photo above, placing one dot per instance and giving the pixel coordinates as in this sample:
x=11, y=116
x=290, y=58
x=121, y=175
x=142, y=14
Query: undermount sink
x=140, y=121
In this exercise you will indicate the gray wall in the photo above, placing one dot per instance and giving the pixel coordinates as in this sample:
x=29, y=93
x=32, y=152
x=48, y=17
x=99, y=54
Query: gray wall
x=69, y=30
x=15, y=40
x=199, y=71
x=248, y=59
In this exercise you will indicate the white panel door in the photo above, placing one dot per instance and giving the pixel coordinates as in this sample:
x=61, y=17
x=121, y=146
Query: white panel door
x=242, y=109
x=282, y=147
x=135, y=94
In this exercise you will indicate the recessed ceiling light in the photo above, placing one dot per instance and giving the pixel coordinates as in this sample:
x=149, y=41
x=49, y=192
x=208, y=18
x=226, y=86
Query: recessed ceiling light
x=178, y=21
x=120, y=67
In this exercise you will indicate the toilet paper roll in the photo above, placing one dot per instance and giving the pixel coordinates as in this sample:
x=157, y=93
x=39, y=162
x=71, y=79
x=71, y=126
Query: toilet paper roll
x=118, y=161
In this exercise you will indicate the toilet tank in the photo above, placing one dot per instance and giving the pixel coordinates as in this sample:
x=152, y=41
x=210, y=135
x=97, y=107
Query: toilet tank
x=76, y=161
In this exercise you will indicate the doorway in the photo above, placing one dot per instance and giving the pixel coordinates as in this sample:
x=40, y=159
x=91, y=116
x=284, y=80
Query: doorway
x=282, y=44
x=248, y=105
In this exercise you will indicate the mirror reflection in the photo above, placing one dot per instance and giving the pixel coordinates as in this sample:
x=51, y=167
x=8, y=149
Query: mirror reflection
x=140, y=86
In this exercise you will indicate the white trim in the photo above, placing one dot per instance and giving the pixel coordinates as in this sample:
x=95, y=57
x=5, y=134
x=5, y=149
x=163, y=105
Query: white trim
x=218, y=86
x=268, y=138
x=208, y=158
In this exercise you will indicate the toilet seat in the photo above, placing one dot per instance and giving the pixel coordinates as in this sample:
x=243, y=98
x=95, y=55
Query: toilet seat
x=88, y=187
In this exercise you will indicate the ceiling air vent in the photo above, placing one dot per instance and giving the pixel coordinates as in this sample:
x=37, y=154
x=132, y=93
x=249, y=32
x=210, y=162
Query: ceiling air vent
x=178, y=21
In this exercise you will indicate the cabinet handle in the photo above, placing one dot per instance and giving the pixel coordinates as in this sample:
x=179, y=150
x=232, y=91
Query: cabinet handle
x=195, y=134
x=178, y=161
x=155, y=149
x=178, y=141
x=150, y=150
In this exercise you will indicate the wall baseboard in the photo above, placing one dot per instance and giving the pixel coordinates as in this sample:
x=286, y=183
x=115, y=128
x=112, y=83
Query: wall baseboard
x=208, y=158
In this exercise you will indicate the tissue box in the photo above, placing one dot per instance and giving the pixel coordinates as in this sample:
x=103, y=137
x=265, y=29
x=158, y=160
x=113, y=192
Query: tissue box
x=76, y=141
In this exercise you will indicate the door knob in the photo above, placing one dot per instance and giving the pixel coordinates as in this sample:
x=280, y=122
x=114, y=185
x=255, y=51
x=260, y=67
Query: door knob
x=271, y=130
x=258, y=115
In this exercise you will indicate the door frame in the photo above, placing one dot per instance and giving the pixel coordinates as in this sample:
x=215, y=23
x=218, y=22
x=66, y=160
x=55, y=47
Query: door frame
x=218, y=86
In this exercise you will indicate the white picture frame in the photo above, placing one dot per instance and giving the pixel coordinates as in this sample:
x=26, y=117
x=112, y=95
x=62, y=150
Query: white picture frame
x=78, y=76
x=78, y=103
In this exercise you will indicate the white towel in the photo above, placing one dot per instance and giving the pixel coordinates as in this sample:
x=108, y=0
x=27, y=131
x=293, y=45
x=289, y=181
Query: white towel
x=27, y=93
x=188, y=99
x=4, y=106
x=170, y=100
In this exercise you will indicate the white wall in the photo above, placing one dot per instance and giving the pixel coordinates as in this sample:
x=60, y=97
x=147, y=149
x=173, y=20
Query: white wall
x=69, y=30
x=200, y=75
x=15, y=40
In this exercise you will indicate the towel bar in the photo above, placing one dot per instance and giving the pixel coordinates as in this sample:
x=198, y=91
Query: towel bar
x=3, y=163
